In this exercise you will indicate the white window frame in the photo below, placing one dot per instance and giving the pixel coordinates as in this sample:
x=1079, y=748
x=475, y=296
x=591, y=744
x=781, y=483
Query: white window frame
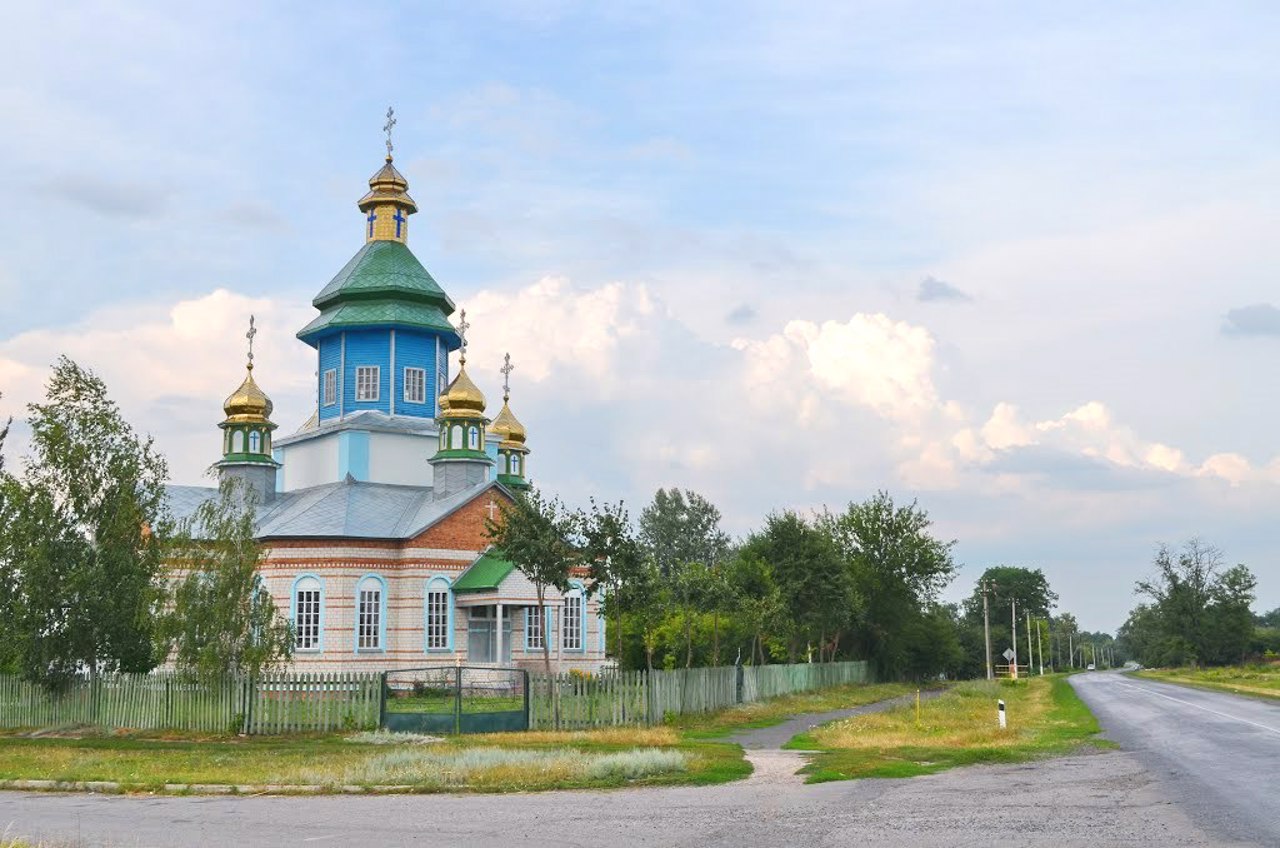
x=437, y=615
x=370, y=614
x=571, y=635
x=368, y=383
x=308, y=601
x=535, y=628
x=415, y=378
x=473, y=438
x=255, y=441
x=330, y=386
x=515, y=465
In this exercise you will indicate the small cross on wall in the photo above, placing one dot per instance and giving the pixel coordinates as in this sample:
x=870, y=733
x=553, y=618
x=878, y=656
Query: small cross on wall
x=492, y=509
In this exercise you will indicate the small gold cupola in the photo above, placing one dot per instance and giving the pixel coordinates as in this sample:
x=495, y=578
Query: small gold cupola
x=461, y=460
x=512, y=452
x=387, y=206
x=246, y=433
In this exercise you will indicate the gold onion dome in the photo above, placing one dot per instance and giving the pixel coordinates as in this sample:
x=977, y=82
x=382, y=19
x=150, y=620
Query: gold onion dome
x=249, y=402
x=507, y=427
x=463, y=396
x=388, y=186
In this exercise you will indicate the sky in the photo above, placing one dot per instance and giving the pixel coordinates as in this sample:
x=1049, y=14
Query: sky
x=1018, y=262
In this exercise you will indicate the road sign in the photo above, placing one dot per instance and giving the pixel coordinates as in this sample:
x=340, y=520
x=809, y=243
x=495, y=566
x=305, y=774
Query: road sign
x=1008, y=654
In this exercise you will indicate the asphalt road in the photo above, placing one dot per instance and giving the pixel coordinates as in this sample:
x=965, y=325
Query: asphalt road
x=1216, y=755
x=1098, y=799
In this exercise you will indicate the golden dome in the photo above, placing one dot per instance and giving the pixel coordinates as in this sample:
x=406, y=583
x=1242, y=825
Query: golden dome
x=463, y=397
x=507, y=427
x=249, y=402
x=388, y=186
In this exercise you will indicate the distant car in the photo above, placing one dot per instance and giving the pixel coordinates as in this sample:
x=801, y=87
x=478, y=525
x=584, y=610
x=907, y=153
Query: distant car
x=1090, y=667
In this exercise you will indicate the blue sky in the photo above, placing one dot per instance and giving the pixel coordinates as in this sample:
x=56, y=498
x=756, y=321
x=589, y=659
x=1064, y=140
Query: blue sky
x=1019, y=262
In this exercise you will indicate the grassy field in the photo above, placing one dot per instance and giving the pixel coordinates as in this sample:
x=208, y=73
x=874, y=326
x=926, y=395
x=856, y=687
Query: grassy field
x=957, y=728
x=777, y=710
x=1259, y=681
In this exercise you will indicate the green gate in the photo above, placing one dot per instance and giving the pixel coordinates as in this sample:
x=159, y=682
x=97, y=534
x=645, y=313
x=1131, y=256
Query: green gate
x=455, y=699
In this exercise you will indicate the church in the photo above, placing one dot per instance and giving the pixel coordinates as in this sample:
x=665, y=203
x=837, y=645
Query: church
x=372, y=515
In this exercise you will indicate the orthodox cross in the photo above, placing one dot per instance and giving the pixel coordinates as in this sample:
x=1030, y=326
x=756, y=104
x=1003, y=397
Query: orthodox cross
x=372, y=217
x=386, y=128
x=253, y=331
x=463, y=326
x=399, y=219
x=506, y=370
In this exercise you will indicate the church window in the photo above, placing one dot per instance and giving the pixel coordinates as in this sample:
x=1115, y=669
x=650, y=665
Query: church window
x=330, y=387
x=255, y=442
x=473, y=438
x=306, y=614
x=367, y=382
x=415, y=385
x=237, y=442
x=437, y=617
x=455, y=436
x=502, y=464
x=572, y=627
x=369, y=621
x=515, y=464
x=535, y=630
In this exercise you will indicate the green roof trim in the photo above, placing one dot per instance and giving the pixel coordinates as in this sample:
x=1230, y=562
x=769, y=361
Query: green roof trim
x=384, y=283
x=484, y=575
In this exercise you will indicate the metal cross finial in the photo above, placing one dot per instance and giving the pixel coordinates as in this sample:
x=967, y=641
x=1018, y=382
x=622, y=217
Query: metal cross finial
x=506, y=370
x=386, y=128
x=253, y=331
x=463, y=326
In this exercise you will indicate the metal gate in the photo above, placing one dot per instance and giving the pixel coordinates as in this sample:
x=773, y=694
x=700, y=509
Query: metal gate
x=455, y=699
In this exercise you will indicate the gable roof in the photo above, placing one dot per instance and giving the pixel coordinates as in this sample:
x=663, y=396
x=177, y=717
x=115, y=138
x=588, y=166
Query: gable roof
x=485, y=574
x=349, y=509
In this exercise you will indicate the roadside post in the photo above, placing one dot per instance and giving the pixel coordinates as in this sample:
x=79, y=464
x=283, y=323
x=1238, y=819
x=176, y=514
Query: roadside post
x=1000, y=709
x=917, y=707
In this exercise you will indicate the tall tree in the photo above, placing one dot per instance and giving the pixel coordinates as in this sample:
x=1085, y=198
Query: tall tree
x=80, y=545
x=616, y=560
x=681, y=529
x=898, y=568
x=536, y=534
x=223, y=620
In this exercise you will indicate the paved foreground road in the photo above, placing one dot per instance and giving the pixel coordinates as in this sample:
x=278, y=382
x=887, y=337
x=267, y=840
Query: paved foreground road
x=1216, y=755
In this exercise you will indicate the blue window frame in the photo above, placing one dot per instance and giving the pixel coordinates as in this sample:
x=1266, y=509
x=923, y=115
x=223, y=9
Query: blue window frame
x=306, y=611
x=371, y=614
x=437, y=614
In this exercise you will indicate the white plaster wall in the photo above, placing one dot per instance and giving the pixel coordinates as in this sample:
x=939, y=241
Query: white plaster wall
x=401, y=458
x=310, y=463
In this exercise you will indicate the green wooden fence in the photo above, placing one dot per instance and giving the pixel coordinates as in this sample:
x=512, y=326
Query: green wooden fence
x=612, y=698
x=282, y=703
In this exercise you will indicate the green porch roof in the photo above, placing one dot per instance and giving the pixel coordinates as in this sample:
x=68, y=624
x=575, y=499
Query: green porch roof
x=384, y=283
x=484, y=575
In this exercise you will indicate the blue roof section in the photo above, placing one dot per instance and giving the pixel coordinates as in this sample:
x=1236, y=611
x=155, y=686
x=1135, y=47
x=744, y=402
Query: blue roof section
x=345, y=510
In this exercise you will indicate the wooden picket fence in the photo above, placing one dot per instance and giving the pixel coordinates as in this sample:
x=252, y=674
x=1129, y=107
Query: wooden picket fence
x=280, y=703
x=614, y=698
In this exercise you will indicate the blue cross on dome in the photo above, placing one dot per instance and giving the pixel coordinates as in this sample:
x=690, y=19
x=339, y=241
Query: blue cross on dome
x=399, y=219
x=372, y=217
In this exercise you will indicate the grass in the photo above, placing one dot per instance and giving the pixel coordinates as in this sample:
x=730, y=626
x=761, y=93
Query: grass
x=957, y=728
x=1257, y=681
x=778, y=710
x=446, y=703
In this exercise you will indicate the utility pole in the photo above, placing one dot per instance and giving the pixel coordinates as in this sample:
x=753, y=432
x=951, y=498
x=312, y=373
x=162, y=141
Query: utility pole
x=1071, y=650
x=1031, y=654
x=1040, y=649
x=986, y=626
x=1013, y=632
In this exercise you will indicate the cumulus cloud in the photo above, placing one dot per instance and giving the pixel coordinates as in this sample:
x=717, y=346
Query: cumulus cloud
x=932, y=290
x=1259, y=319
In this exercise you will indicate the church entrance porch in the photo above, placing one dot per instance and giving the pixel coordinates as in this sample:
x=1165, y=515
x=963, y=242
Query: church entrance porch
x=489, y=635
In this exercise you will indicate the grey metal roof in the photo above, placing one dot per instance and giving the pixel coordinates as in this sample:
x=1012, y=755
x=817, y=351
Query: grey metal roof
x=346, y=510
x=370, y=419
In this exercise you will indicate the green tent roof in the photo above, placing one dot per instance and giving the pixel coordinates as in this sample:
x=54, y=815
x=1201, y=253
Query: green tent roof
x=484, y=575
x=384, y=283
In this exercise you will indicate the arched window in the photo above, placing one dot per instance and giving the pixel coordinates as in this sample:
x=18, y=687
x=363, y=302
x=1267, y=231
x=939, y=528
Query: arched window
x=255, y=442
x=266, y=442
x=455, y=436
x=502, y=463
x=307, y=604
x=226, y=442
x=473, y=438
x=370, y=614
x=237, y=442
x=575, y=613
x=438, y=617
x=515, y=464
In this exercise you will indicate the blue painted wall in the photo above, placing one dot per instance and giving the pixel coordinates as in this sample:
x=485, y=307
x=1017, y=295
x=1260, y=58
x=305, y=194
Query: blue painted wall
x=330, y=353
x=413, y=349
x=353, y=454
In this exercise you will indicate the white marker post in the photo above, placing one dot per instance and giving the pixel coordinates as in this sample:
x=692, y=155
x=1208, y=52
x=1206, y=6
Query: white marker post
x=1000, y=708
